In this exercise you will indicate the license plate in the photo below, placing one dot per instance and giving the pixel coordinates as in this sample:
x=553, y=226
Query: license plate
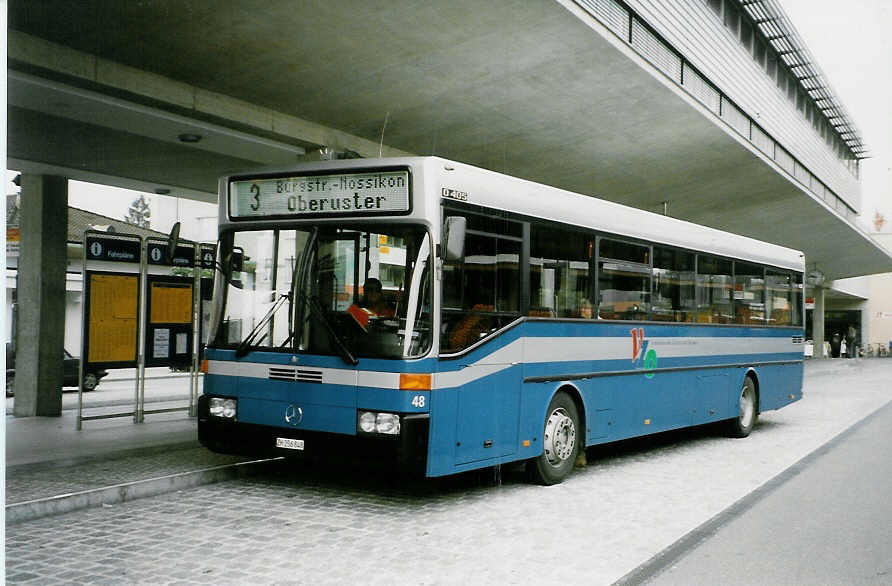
x=290, y=444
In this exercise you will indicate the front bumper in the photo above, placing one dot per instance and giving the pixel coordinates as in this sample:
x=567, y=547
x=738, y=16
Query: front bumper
x=408, y=449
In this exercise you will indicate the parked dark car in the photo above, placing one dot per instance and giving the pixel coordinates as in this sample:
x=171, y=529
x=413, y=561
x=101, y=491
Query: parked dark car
x=70, y=366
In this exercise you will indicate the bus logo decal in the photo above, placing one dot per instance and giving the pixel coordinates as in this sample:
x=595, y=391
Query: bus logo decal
x=641, y=356
x=293, y=414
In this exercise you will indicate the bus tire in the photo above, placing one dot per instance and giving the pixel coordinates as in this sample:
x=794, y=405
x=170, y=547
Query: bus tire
x=560, y=442
x=743, y=424
x=90, y=381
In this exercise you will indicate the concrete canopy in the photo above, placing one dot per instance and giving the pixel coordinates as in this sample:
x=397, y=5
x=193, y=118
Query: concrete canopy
x=526, y=88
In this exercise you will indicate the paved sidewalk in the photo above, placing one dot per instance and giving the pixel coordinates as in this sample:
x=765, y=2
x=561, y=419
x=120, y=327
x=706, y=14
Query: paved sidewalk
x=46, y=457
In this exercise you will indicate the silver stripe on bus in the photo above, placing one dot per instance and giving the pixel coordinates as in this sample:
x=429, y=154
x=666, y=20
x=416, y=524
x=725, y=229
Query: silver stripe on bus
x=531, y=350
x=330, y=376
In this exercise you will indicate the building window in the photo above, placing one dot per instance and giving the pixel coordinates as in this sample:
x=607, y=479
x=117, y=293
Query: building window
x=759, y=50
x=746, y=34
x=771, y=64
x=732, y=18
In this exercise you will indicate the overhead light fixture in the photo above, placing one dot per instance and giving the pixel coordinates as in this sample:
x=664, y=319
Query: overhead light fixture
x=189, y=137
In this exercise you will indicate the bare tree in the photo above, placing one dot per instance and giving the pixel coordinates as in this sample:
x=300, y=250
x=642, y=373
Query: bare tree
x=139, y=213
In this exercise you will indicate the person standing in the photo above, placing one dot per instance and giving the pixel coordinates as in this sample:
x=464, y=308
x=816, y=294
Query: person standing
x=851, y=334
x=835, y=343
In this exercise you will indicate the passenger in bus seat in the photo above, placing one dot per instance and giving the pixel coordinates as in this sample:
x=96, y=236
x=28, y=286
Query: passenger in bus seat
x=471, y=327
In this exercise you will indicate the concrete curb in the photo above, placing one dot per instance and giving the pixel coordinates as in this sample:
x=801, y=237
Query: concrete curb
x=128, y=491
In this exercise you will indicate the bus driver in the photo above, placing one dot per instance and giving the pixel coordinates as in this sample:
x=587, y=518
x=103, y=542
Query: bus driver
x=373, y=299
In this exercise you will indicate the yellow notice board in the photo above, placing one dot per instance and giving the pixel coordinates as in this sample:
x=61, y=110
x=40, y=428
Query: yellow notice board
x=114, y=307
x=171, y=303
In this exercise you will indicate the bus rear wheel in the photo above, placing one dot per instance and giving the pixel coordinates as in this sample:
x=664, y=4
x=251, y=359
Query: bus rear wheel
x=560, y=442
x=743, y=424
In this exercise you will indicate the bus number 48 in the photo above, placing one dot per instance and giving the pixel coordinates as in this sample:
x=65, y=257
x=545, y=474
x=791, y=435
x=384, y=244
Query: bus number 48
x=418, y=401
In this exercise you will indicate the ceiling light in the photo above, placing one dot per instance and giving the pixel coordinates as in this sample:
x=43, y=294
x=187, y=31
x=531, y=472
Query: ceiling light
x=189, y=137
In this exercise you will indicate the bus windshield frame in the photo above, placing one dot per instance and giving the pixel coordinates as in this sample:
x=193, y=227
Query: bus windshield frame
x=343, y=289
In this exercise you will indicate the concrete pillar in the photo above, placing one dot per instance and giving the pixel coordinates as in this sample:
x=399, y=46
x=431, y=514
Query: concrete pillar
x=817, y=322
x=40, y=334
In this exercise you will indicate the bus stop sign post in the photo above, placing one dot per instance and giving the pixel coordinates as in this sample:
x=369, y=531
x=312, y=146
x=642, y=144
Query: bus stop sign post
x=138, y=415
x=113, y=286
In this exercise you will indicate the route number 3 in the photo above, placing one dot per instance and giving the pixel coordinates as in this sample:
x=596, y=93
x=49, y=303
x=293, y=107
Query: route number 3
x=418, y=401
x=255, y=190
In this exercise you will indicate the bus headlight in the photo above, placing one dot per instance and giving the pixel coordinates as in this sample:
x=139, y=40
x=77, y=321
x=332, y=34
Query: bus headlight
x=220, y=407
x=367, y=422
x=388, y=423
x=383, y=423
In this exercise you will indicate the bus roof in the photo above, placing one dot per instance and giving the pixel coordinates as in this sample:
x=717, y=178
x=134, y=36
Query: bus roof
x=499, y=191
x=511, y=194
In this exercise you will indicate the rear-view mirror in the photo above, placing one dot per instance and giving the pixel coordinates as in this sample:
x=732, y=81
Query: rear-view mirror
x=454, y=237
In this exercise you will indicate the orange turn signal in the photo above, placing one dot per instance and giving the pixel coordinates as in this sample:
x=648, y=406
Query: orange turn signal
x=204, y=366
x=415, y=382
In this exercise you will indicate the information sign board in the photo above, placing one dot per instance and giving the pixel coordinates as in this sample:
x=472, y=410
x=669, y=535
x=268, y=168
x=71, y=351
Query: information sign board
x=111, y=249
x=208, y=255
x=168, y=336
x=112, y=316
x=184, y=255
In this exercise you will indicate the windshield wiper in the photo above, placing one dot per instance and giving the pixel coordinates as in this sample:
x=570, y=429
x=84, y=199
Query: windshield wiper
x=346, y=354
x=254, y=337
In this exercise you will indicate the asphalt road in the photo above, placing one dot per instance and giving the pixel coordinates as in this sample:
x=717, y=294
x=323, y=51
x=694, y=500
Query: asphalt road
x=827, y=520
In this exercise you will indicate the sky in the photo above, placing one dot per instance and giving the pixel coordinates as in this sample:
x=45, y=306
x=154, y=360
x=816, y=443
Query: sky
x=853, y=46
x=852, y=43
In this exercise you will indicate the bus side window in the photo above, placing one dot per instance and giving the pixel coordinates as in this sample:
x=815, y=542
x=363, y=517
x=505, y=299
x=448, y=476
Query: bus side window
x=778, y=298
x=713, y=290
x=749, y=293
x=481, y=291
x=673, y=275
x=796, y=300
x=559, y=273
x=624, y=275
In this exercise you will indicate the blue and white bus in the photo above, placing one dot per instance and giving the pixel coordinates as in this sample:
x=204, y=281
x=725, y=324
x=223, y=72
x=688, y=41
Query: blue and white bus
x=521, y=322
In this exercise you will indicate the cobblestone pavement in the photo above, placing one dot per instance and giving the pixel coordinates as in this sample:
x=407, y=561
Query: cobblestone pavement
x=304, y=526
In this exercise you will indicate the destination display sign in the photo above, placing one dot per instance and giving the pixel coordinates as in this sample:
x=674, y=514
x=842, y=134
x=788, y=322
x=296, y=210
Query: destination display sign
x=111, y=249
x=313, y=195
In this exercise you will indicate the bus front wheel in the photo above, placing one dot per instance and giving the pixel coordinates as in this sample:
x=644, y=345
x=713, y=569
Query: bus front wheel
x=560, y=442
x=743, y=424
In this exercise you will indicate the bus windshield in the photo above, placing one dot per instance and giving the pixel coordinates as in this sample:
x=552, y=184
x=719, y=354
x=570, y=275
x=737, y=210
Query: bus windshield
x=352, y=290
